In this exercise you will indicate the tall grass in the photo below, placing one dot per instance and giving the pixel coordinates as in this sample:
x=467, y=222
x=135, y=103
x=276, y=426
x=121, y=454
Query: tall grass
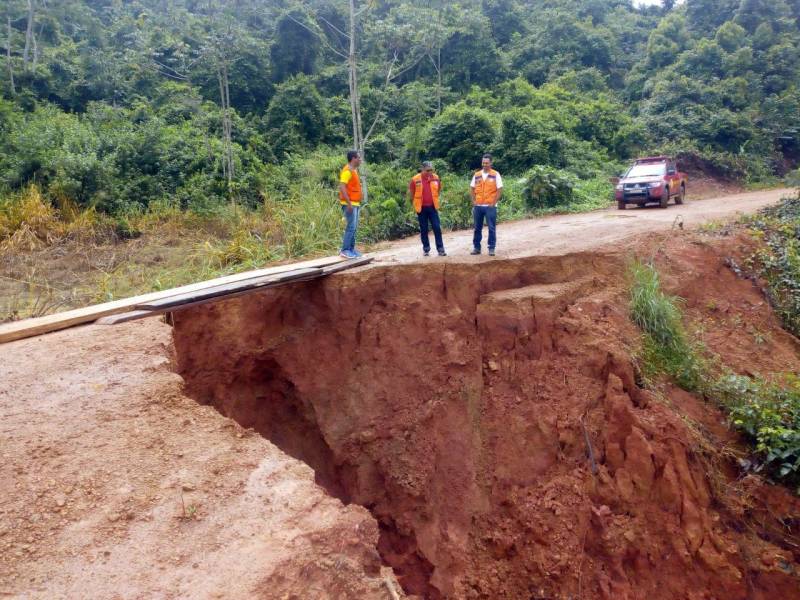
x=29, y=221
x=307, y=223
x=666, y=347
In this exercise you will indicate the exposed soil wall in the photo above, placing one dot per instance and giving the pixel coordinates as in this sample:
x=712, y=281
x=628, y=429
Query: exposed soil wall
x=490, y=419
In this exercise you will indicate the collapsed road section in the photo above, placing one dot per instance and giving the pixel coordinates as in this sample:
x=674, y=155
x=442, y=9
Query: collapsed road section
x=491, y=419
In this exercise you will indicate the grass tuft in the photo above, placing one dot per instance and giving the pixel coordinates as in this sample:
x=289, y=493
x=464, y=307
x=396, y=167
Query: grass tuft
x=666, y=347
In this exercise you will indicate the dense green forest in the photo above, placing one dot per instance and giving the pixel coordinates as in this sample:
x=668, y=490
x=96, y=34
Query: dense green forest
x=198, y=104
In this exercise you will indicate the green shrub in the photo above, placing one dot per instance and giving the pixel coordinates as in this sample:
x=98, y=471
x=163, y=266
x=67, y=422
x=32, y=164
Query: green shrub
x=546, y=187
x=770, y=415
x=387, y=219
x=456, y=212
x=593, y=194
x=388, y=214
x=778, y=260
x=296, y=117
x=461, y=135
x=530, y=138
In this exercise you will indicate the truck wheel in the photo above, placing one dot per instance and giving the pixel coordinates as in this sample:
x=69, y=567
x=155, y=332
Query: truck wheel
x=665, y=198
x=682, y=195
x=620, y=205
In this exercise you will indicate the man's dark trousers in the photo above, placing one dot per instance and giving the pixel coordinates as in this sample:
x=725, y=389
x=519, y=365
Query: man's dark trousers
x=427, y=215
x=478, y=214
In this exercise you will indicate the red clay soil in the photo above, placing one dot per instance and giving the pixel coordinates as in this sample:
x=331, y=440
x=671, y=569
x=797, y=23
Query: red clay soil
x=116, y=486
x=491, y=419
x=457, y=402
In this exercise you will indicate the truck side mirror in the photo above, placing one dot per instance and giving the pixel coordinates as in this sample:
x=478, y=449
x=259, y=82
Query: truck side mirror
x=614, y=180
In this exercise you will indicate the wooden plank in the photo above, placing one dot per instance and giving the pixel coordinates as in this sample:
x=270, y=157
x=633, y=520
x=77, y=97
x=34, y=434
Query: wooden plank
x=142, y=314
x=125, y=317
x=350, y=264
x=17, y=330
x=231, y=288
x=343, y=266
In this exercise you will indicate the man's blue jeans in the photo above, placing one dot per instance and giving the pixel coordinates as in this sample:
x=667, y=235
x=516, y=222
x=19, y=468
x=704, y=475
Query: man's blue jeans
x=430, y=216
x=479, y=213
x=349, y=240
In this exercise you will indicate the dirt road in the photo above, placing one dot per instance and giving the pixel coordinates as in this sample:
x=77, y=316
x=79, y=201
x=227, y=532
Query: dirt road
x=116, y=485
x=586, y=231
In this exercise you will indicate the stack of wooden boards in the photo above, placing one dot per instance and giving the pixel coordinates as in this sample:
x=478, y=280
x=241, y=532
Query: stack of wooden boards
x=155, y=303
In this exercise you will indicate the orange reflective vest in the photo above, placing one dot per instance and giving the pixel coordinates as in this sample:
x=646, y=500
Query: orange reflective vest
x=485, y=191
x=436, y=186
x=353, y=186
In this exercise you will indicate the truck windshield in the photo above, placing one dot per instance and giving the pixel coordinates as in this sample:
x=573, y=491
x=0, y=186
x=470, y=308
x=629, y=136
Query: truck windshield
x=647, y=170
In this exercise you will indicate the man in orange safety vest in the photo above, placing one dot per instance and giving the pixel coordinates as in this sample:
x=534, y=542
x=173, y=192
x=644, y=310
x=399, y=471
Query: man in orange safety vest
x=486, y=189
x=424, y=190
x=350, y=194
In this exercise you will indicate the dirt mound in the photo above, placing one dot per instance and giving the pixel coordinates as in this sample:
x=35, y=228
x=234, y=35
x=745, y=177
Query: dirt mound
x=489, y=417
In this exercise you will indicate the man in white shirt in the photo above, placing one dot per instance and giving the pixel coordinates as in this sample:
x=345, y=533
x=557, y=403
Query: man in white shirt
x=486, y=190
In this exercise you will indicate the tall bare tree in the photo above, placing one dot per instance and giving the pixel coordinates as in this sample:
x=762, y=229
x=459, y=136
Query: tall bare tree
x=8, y=57
x=434, y=52
x=351, y=55
x=43, y=5
x=352, y=69
x=227, y=125
x=221, y=48
x=29, y=34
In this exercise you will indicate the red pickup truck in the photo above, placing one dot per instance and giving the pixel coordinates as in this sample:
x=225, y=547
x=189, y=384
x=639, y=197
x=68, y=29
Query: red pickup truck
x=651, y=179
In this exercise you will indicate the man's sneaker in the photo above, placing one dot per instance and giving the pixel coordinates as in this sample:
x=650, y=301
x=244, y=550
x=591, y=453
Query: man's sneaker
x=491, y=252
x=426, y=253
x=347, y=254
x=442, y=253
x=475, y=251
x=356, y=253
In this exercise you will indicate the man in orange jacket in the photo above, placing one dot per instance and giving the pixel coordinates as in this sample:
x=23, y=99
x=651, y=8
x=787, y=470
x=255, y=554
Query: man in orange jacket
x=486, y=190
x=350, y=198
x=424, y=190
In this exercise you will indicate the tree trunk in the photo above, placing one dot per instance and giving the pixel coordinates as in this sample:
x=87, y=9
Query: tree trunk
x=229, y=137
x=355, y=100
x=355, y=105
x=36, y=47
x=222, y=108
x=28, y=34
x=227, y=127
x=439, y=35
x=8, y=59
x=439, y=81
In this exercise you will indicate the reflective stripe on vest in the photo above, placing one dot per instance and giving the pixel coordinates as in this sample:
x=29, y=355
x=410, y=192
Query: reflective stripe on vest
x=435, y=186
x=486, y=191
x=353, y=189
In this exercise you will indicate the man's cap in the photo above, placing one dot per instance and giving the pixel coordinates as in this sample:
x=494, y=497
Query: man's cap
x=426, y=164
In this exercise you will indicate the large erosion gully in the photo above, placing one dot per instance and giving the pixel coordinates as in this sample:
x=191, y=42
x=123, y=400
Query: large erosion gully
x=458, y=403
